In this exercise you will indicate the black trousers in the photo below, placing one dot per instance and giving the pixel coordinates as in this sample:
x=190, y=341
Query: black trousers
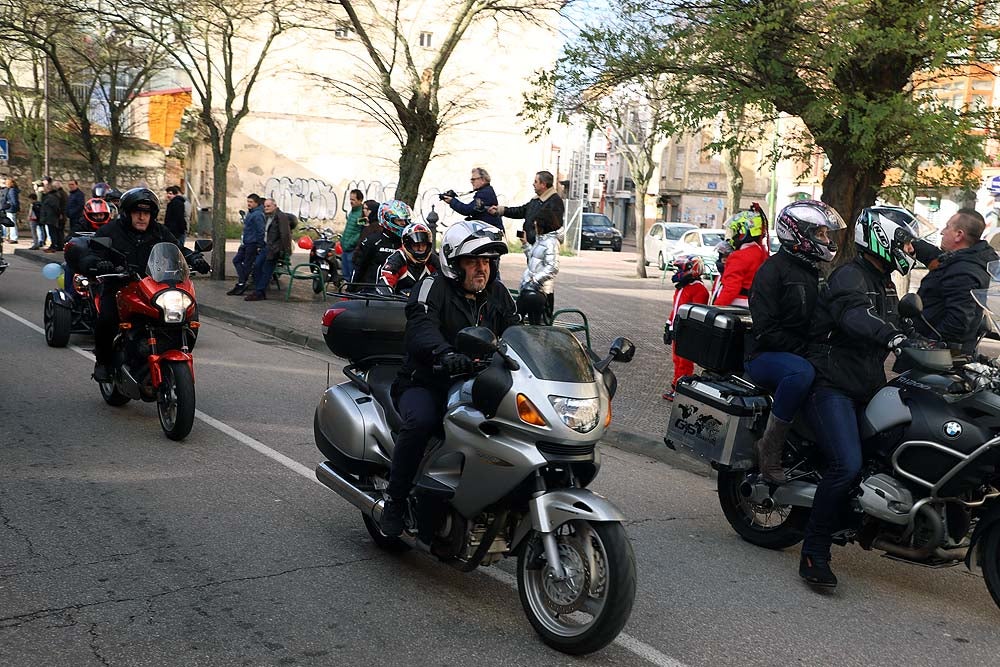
x=57, y=236
x=422, y=409
x=106, y=326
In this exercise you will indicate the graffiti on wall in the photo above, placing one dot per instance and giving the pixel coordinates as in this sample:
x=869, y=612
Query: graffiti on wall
x=315, y=199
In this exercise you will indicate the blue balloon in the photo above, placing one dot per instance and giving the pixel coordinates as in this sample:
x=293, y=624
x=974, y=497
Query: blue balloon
x=52, y=270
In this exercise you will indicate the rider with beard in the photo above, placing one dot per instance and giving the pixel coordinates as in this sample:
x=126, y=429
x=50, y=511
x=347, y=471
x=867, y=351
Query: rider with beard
x=466, y=293
x=133, y=234
x=782, y=301
x=855, y=327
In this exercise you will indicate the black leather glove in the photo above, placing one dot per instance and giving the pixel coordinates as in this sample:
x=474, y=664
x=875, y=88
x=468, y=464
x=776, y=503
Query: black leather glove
x=454, y=363
x=901, y=342
x=668, y=335
x=200, y=265
x=105, y=266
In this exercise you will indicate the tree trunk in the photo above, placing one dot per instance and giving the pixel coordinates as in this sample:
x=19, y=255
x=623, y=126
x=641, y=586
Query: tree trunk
x=734, y=179
x=640, y=227
x=413, y=160
x=220, y=190
x=849, y=188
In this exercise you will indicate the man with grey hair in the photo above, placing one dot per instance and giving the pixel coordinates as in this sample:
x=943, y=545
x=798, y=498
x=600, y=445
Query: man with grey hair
x=955, y=269
x=483, y=199
x=546, y=199
x=277, y=245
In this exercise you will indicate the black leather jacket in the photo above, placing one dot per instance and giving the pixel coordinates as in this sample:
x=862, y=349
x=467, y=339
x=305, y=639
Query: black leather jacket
x=946, y=291
x=371, y=254
x=855, y=320
x=782, y=302
x=125, y=239
x=437, y=310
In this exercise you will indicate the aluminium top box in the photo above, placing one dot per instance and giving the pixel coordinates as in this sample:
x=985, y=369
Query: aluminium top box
x=712, y=336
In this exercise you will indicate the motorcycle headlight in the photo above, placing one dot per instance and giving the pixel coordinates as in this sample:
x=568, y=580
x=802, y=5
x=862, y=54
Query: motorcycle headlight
x=580, y=414
x=174, y=303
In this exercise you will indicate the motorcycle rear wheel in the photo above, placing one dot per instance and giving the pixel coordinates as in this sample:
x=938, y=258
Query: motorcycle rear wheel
x=780, y=528
x=58, y=322
x=319, y=279
x=557, y=610
x=175, y=400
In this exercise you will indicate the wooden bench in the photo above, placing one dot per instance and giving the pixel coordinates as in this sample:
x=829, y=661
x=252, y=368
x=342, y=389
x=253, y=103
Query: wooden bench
x=571, y=326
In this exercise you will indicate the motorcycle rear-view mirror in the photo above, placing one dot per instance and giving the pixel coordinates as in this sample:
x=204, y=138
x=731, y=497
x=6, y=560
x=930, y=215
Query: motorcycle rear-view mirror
x=622, y=349
x=911, y=306
x=203, y=245
x=476, y=342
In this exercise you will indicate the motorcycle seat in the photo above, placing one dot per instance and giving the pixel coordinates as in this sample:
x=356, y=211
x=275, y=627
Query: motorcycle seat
x=380, y=379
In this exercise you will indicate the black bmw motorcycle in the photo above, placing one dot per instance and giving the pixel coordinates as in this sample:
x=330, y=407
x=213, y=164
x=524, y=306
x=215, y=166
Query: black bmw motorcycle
x=929, y=490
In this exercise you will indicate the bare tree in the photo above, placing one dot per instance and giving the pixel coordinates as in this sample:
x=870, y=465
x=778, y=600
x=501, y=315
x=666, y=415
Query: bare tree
x=403, y=90
x=23, y=92
x=222, y=46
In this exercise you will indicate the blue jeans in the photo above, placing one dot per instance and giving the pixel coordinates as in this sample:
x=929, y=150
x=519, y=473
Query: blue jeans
x=245, y=260
x=262, y=270
x=347, y=264
x=788, y=375
x=834, y=418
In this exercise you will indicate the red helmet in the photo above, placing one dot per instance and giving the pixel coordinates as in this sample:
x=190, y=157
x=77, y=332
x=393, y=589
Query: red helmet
x=96, y=212
x=305, y=243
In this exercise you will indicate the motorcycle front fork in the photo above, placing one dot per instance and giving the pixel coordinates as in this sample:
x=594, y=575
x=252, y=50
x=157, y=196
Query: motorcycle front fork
x=549, y=542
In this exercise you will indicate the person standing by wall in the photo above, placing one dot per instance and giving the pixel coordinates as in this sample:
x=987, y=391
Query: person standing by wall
x=277, y=244
x=351, y=237
x=39, y=235
x=74, y=208
x=251, y=244
x=53, y=210
x=174, y=219
x=10, y=207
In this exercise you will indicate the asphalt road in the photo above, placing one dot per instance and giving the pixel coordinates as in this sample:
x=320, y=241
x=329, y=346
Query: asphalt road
x=120, y=547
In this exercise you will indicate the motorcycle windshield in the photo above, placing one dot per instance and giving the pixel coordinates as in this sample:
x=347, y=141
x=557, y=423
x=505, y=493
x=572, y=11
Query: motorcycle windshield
x=166, y=264
x=551, y=353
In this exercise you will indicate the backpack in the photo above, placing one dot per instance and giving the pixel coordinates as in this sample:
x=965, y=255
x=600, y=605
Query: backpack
x=292, y=221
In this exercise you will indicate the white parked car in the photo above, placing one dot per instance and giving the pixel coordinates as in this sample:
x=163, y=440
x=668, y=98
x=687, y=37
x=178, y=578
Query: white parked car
x=700, y=242
x=661, y=239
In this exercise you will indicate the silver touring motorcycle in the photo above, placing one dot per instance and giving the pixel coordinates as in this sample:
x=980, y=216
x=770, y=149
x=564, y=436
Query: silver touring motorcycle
x=929, y=489
x=506, y=475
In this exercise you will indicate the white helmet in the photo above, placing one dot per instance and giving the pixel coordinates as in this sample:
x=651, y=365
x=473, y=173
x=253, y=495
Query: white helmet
x=883, y=231
x=470, y=238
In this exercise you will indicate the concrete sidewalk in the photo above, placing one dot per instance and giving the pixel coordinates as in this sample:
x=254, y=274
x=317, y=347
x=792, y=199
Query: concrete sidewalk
x=602, y=284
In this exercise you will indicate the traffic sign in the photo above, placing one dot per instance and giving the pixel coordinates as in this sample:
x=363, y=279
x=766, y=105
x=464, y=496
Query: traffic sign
x=4, y=155
x=993, y=184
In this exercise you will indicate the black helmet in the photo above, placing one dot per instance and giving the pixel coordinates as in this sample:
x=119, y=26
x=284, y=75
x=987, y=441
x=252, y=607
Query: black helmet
x=113, y=195
x=74, y=251
x=531, y=303
x=139, y=199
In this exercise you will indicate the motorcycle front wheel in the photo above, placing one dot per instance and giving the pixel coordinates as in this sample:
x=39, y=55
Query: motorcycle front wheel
x=175, y=400
x=585, y=611
x=779, y=527
x=990, y=562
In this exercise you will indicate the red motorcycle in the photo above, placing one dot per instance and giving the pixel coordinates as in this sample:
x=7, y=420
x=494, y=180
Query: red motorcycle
x=152, y=358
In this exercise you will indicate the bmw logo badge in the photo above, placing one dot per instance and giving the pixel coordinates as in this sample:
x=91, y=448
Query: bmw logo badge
x=952, y=429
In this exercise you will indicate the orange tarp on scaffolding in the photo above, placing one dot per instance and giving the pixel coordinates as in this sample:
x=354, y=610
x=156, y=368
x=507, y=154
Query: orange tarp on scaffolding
x=165, y=111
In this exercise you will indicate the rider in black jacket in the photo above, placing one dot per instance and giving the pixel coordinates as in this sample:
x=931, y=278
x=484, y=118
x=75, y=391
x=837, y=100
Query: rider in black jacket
x=854, y=330
x=393, y=216
x=133, y=235
x=464, y=294
x=956, y=268
x=782, y=301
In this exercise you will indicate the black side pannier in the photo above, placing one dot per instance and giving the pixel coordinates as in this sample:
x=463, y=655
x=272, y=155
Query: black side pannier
x=712, y=336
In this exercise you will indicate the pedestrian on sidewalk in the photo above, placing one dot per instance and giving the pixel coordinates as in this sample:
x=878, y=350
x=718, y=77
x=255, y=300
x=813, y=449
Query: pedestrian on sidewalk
x=251, y=243
x=38, y=234
x=546, y=198
x=75, y=201
x=483, y=198
x=688, y=289
x=174, y=218
x=536, y=299
x=351, y=238
x=10, y=207
x=54, y=213
x=277, y=245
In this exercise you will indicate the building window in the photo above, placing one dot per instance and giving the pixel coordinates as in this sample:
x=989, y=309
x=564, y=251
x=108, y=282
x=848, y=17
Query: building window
x=342, y=31
x=425, y=39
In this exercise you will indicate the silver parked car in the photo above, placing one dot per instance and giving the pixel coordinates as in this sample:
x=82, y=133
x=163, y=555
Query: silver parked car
x=661, y=239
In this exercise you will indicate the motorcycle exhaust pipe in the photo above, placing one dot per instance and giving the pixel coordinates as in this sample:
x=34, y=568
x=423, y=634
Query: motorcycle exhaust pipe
x=343, y=487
